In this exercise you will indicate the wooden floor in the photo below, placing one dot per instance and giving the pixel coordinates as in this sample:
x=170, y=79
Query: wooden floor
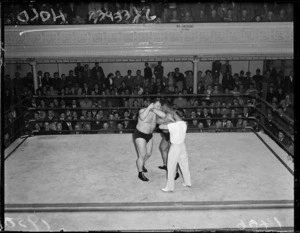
x=100, y=171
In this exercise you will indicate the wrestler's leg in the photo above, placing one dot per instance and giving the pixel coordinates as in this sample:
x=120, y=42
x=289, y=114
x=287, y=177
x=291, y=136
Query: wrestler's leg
x=142, y=151
x=149, y=147
x=164, y=148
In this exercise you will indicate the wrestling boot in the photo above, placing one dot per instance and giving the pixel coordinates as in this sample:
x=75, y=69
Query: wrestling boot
x=144, y=169
x=164, y=167
x=142, y=177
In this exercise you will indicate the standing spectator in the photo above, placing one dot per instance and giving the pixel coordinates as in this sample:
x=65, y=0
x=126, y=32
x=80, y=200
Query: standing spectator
x=147, y=71
x=69, y=10
x=270, y=94
x=97, y=69
x=222, y=10
x=70, y=79
x=189, y=81
x=289, y=83
x=216, y=69
x=207, y=79
x=227, y=81
x=159, y=71
x=247, y=80
x=81, y=13
x=258, y=78
x=78, y=68
x=129, y=80
x=118, y=79
x=47, y=80
x=179, y=79
x=139, y=79
x=226, y=67
x=109, y=82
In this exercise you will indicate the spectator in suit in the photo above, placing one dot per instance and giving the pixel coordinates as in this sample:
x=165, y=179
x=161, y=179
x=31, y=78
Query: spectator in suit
x=270, y=94
x=289, y=83
x=282, y=138
x=118, y=79
x=179, y=79
x=213, y=16
x=97, y=68
x=216, y=70
x=139, y=79
x=109, y=82
x=97, y=124
x=159, y=71
x=147, y=71
x=129, y=80
x=78, y=68
x=269, y=123
x=180, y=101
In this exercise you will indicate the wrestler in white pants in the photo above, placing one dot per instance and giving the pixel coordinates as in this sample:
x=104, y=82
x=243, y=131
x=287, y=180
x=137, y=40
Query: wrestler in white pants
x=178, y=154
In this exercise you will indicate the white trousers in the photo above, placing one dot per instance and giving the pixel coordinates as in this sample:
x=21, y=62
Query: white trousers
x=178, y=154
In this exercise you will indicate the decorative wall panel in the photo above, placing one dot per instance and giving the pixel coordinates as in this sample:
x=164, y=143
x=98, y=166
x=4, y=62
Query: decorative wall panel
x=225, y=40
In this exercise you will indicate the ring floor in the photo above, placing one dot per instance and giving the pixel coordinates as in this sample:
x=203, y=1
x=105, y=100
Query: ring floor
x=100, y=170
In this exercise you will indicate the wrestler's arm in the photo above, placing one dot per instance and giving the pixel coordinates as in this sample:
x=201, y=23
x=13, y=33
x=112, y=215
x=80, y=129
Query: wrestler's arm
x=166, y=120
x=159, y=113
x=144, y=112
x=163, y=126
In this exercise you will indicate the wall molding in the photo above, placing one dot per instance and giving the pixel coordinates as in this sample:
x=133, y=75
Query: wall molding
x=206, y=40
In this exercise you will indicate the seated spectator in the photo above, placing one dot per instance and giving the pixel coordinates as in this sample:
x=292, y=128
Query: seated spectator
x=180, y=101
x=245, y=126
x=174, y=17
x=85, y=103
x=282, y=138
x=105, y=128
x=77, y=129
x=230, y=16
x=48, y=129
x=200, y=126
x=214, y=17
x=119, y=128
x=229, y=126
x=239, y=124
x=282, y=17
x=193, y=124
x=59, y=128
x=257, y=18
x=187, y=18
x=244, y=16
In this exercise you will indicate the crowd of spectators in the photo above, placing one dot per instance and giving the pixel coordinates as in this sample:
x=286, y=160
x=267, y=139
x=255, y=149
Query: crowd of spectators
x=73, y=103
x=145, y=12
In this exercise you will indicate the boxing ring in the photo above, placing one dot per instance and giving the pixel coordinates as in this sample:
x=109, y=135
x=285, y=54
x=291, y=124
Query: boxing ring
x=89, y=182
